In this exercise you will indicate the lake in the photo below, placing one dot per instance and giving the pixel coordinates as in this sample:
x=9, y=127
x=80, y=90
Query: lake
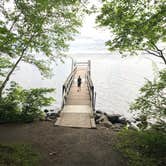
x=117, y=80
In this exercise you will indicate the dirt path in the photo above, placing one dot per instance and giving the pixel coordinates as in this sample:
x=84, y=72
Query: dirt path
x=70, y=147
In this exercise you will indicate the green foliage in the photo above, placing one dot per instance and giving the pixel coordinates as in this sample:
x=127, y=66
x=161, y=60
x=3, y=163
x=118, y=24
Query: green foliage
x=152, y=102
x=20, y=105
x=36, y=32
x=5, y=64
x=136, y=25
x=143, y=147
x=18, y=154
x=38, y=26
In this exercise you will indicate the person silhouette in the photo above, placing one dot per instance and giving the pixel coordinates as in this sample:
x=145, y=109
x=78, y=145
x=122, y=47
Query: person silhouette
x=79, y=81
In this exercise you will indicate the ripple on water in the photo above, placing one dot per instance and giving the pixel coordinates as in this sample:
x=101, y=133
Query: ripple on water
x=116, y=80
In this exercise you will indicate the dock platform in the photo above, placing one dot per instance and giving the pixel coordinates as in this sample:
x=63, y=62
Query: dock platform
x=78, y=104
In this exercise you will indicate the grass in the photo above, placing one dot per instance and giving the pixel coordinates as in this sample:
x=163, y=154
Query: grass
x=143, y=147
x=18, y=155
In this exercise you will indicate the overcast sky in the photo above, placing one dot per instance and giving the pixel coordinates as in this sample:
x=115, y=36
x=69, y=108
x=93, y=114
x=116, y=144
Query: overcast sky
x=91, y=38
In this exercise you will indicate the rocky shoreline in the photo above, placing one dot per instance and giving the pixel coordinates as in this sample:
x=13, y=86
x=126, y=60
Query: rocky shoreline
x=114, y=121
x=102, y=119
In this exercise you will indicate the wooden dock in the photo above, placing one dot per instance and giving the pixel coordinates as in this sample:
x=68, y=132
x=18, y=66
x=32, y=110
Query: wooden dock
x=78, y=106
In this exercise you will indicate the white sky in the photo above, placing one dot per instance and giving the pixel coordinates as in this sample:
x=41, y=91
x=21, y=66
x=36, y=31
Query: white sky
x=91, y=38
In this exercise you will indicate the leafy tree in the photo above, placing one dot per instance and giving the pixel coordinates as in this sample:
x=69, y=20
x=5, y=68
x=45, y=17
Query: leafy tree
x=5, y=64
x=29, y=28
x=20, y=105
x=135, y=25
x=152, y=102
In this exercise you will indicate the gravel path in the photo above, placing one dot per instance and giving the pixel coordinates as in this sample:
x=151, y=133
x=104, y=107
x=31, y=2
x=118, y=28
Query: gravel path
x=62, y=146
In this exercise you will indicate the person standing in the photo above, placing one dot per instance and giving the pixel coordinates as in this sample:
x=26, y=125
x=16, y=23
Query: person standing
x=79, y=81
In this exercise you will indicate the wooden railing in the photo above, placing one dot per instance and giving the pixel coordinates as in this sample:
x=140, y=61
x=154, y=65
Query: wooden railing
x=66, y=86
x=92, y=92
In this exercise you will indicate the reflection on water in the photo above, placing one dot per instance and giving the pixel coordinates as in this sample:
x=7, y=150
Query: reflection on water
x=116, y=80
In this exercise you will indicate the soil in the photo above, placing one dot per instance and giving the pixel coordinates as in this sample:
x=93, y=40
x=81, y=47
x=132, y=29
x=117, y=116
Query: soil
x=63, y=146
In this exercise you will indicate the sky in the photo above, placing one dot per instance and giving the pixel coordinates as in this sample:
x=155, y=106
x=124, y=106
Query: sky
x=91, y=38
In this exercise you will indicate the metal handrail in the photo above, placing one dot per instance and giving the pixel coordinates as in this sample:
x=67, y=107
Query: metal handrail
x=92, y=93
x=66, y=86
x=69, y=79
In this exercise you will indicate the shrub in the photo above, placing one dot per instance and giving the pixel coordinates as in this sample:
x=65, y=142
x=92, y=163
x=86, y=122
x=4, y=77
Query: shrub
x=143, y=147
x=18, y=155
x=152, y=102
x=20, y=105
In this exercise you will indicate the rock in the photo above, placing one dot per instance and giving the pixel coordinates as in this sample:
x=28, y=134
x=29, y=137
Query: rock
x=103, y=120
x=117, y=126
x=99, y=112
x=107, y=124
x=47, y=119
x=53, y=115
x=105, y=113
x=97, y=116
x=113, y=118
x=122, y=120
x=46, y=111
x=137, y=119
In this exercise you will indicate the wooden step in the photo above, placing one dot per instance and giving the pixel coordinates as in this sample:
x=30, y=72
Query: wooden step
x=78, y=102
x=80, y=116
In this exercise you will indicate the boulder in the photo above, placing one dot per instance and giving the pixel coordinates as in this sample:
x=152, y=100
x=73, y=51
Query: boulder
x=114, y=118
x=48, y=119
x=99, y=112
x=53, y=115
x=103, y=120
x=122, y=120
x=46, y=111
x=97, y=116
x=117, y=126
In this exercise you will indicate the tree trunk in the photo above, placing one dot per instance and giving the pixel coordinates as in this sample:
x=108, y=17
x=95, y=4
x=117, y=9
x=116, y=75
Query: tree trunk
x=10, y=73
x=14, y=67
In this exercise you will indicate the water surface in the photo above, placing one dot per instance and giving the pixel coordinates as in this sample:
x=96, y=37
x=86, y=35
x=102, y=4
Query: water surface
x=116, y=80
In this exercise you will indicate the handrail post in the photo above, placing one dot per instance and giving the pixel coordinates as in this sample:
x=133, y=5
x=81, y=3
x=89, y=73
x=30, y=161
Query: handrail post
x=89, y=66
x=92, y=99
x=63, y=89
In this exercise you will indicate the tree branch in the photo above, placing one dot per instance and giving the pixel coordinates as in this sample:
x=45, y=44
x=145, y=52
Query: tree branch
x=158, y=53
x=150, y=52
x=161, y=54
x=15, y=65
